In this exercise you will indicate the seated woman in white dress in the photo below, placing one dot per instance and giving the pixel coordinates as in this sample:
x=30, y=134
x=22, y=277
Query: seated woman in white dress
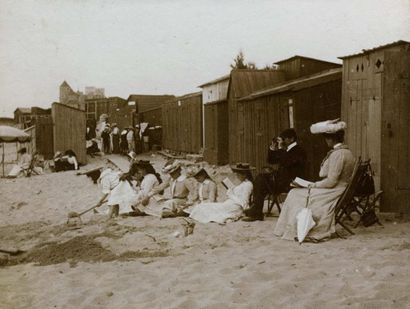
x=119, y=191
x=336, y=171
x=182, y=194
x=232, y=208
x=23, y=164
x=207, y=189
x=148, y=178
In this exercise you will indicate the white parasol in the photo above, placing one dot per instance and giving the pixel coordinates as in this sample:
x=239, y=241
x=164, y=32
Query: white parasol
x=304, y=220
x=10, y=135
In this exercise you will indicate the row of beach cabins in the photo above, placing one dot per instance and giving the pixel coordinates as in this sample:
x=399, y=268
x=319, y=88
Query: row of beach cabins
x=233, y=118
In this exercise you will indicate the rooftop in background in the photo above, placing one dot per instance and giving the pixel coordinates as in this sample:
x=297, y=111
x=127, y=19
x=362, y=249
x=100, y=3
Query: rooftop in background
x=245, y=81
x=225, y=77
x=300, y=83
x=367, y=51
x=307, y=58
x=146, y=102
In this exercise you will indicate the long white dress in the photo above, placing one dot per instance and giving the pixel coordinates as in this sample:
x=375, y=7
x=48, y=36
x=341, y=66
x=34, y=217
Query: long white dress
x=122, y=193
x=336, y=171
x=232, y=208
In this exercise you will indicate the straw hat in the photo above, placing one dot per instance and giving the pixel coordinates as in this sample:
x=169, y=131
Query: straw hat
x=242, y=167
x=169, y=169
x=328, y=126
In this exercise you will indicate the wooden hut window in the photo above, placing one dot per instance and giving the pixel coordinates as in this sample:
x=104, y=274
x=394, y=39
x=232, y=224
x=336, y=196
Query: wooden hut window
x=290, y=109
x=378, y=63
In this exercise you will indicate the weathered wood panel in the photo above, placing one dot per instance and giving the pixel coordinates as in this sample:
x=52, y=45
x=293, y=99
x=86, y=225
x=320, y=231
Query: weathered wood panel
x=269, y=115
x=44, y=137
x=182, y=124
x=69, y=129
x=152, y=116
x=395, y=151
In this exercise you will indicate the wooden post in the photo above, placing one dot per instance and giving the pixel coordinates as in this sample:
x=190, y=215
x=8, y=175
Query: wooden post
x=3, y=159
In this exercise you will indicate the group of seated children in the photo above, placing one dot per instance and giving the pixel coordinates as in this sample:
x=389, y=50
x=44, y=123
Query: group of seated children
x=195, y=194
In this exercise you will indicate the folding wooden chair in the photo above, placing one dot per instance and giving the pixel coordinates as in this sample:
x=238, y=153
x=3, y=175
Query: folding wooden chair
x=366, y=198
x=342, y=207
x=275, y=199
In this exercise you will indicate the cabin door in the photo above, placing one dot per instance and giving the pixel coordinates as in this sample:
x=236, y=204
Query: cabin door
x=396, y=132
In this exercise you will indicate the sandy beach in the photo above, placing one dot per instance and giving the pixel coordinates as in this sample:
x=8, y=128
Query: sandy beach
x=138, y=262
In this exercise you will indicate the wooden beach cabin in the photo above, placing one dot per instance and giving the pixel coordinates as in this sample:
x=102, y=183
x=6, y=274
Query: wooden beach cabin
x=242, y=83
x=182, y=123
x=376, y=107
x=215, y=120
x=293, y=104
x=69, y=128
x=281, y=102
x=147, y=104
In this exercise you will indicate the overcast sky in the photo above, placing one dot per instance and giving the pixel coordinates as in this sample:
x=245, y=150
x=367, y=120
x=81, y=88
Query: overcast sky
x=171, y=47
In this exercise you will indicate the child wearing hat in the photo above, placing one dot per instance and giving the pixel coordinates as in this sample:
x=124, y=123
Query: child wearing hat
x=183, y=194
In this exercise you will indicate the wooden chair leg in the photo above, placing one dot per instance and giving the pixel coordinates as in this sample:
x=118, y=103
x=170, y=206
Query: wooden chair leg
x=345, y=227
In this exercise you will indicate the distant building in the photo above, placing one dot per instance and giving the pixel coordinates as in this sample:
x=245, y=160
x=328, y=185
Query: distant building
x=115, y=108
x=94, y=93
x=143, y=103
x=25, y=117
x=71, y=98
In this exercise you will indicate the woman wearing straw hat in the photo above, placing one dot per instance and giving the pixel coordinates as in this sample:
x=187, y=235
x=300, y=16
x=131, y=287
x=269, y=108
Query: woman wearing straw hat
x=336, y=170
x=183, y=194
x=237, y=200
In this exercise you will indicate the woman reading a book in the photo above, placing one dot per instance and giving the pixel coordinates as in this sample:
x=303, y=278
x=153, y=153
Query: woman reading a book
x=336, y=170
x=237, y=199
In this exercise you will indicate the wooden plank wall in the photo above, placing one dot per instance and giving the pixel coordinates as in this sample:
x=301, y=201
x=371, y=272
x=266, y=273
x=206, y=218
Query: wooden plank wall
x=69, y=130
x=361, y=107
x=182, y=124
x=216, y=132
x=44, y=137
x=266, y=117
x=395, y=137
x=152, y=116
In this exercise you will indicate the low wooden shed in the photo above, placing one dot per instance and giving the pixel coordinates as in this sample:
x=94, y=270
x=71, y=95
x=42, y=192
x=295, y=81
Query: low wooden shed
x=295, y=104
x=242, y=83
x=182, y=123
x=376, y=107
x=215, y=120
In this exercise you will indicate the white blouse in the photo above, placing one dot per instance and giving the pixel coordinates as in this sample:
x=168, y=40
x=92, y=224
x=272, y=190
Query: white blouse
x=241, y=194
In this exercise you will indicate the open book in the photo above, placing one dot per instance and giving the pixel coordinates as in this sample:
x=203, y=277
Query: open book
x=227, y=183
x=300, y=183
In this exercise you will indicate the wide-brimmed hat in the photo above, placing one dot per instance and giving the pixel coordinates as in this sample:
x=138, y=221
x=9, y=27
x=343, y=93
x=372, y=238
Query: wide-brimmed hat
x=242, y=167
x=328, y=126
x=202, y=172
x=170, y=168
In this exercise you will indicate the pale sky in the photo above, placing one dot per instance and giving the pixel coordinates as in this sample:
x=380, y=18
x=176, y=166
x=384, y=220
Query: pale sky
x=171, y=47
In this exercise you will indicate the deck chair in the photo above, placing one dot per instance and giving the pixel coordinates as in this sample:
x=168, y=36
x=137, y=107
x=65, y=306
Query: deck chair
x=342, y=209
x=275, y=199
x=31, y=170
x=366, y=198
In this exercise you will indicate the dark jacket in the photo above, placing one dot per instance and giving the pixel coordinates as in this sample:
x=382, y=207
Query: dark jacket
x=291, y=165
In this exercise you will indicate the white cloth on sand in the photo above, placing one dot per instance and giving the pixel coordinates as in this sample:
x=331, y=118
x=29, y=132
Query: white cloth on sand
x=232, y=208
